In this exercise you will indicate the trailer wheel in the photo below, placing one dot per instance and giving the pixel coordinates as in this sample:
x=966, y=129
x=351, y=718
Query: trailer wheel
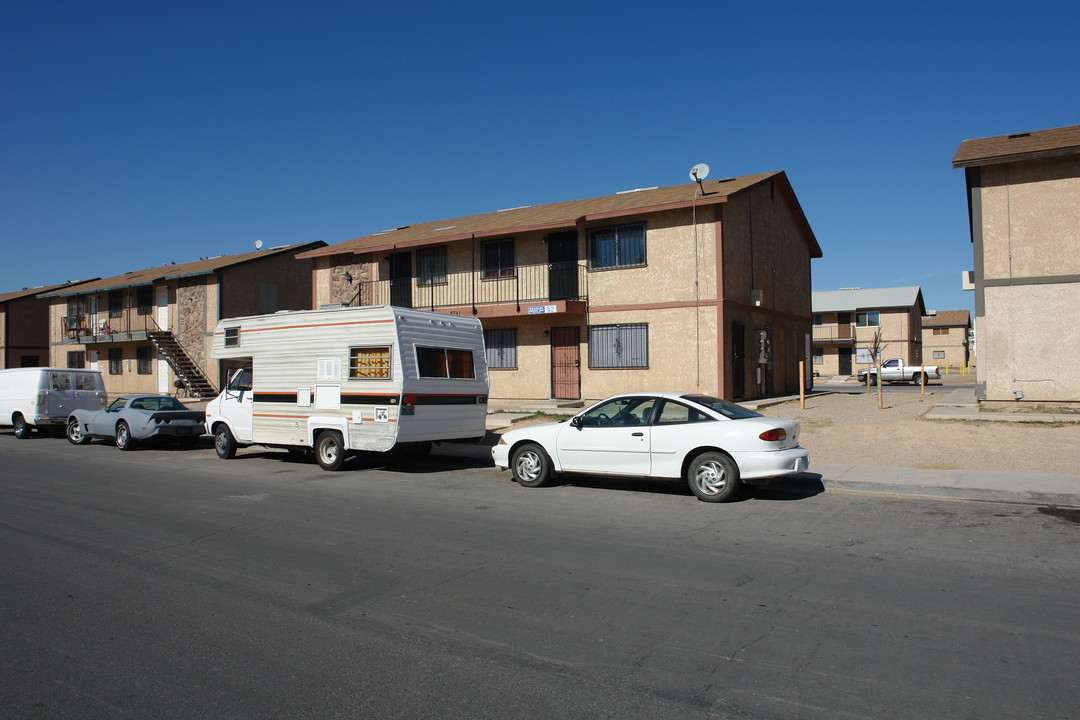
x=224, y=442
x=330, y=450
x=22, y=428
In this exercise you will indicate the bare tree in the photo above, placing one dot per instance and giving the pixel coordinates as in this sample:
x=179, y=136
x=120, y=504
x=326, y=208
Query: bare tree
x=876, y=347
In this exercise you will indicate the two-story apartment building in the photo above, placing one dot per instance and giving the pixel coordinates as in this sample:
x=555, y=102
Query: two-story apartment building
x=846, y=322
x=1024, y=211
x=151, y=330
x=24, y=327
x=946, y=339
x=693, y=287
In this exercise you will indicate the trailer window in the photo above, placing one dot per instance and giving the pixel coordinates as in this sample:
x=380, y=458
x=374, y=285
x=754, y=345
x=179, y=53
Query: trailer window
x=369, y=363
x=445, y=363
x=232, y=337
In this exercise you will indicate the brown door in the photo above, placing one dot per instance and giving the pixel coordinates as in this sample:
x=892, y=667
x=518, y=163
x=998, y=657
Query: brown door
x=565, y=364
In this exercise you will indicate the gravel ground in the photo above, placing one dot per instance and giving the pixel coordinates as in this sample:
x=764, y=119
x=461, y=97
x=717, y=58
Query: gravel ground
x=850, y=429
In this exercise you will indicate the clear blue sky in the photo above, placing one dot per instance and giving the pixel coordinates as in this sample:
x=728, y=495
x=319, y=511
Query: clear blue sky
x=135, y=134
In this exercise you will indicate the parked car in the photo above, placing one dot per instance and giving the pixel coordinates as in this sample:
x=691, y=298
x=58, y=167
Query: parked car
x=712, y=443
x=896, y=371
x=44, y=397
x=134, y=418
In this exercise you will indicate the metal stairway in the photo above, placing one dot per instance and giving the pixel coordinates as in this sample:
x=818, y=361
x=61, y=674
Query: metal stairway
x=189, y=374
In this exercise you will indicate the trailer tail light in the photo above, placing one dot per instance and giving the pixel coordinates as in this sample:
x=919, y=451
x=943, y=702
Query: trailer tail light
x=774, y=435
x=481, y=399
x=408, y=405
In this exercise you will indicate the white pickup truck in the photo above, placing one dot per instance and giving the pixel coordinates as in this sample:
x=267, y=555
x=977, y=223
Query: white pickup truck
x=896, y=371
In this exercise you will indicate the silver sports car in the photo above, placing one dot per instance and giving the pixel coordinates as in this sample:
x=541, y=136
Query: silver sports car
x=133, y=418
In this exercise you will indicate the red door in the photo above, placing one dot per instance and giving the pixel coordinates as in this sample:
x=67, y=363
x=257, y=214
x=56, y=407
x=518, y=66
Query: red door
x=565, y=364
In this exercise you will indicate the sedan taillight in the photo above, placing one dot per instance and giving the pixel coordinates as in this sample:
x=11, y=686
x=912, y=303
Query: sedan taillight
x=774, y=435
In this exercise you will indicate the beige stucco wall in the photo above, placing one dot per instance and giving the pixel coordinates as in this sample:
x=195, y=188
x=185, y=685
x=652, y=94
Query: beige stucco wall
x=952, y=345
x=1024, y=348
x=1030, y=280
x=1031, y=218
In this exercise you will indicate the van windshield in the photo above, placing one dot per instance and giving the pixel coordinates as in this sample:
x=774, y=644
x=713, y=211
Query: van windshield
x=241, y=380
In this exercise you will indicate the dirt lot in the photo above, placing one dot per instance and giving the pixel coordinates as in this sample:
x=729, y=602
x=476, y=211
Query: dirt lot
x=851, y=429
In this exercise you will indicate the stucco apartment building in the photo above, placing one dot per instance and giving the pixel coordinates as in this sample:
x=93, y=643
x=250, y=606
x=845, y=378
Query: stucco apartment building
x=1024, y=209
x=148, y=329
x=695, y=288
x=24, y=327
x=846, y=322
x=946, y=339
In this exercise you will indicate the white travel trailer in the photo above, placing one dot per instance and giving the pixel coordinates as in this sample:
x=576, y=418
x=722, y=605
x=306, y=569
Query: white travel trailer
x=44, y=397
x=344, y=380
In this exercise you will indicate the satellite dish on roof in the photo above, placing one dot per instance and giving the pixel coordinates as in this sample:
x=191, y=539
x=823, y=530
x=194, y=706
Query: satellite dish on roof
x=698, y=173
x=258, y=244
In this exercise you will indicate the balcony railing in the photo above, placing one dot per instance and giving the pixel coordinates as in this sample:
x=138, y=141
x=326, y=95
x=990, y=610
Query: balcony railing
x=512, y=286
x=835, y=334
x=108, y=327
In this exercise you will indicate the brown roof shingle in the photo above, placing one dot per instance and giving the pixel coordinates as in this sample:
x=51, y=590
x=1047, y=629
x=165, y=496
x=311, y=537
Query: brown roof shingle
x=948, y=318
x=30, y=292
x=566, y=215
x=1018, y=146
x=189, y=269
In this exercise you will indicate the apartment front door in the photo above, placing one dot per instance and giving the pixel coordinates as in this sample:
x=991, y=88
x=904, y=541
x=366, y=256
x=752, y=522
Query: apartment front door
x=401, y=279
x=562, y=266
x=565, y=364
x=844, y=357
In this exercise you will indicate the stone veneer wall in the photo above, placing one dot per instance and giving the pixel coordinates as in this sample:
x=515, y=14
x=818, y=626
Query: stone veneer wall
x=341, y=290
x=191, y=319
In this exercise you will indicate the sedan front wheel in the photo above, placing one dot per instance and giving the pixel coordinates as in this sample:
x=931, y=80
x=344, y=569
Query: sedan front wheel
x=75, y=434
x=530, y=465
x=714, y=477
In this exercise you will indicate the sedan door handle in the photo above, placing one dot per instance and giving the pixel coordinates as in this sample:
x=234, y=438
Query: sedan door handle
x=637, y=434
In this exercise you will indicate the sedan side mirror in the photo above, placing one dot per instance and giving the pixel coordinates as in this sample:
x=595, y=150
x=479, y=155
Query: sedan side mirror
x=575, y=421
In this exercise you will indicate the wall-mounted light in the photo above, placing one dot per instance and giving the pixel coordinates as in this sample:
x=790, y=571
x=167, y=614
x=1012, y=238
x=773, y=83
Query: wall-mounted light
x=348, y=276
x=547, y=333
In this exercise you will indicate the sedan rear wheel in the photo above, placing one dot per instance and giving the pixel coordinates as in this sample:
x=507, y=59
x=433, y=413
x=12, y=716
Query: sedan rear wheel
x=124, y=441
x=530, y=465
x=75, y=434
x=714, y=477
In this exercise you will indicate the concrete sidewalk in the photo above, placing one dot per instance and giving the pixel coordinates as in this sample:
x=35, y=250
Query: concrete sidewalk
x=959, y=404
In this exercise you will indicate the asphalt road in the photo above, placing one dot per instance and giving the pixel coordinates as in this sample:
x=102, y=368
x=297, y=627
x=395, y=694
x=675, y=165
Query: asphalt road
x=171, y=584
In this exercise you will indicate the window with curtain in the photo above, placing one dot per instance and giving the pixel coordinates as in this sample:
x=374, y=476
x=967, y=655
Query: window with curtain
x=615, y=247
x=144, y=360
x=116, y=361
x=445, y=363
x=868, y=319
x=619, y=346
x=498, y=258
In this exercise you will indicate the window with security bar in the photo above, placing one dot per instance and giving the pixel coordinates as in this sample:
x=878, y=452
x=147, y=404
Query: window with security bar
x=369, y=363
x=500, y=346
x=619, y=346
x=431, y=266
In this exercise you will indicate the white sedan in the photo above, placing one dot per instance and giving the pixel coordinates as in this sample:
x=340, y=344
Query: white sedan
x=714, y=444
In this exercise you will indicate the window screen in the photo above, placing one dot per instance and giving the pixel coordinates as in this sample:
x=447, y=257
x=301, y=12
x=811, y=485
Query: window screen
x=369, y=363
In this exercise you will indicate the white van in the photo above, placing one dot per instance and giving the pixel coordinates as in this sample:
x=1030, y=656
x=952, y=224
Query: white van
x=343, y=380
x=44, y=397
